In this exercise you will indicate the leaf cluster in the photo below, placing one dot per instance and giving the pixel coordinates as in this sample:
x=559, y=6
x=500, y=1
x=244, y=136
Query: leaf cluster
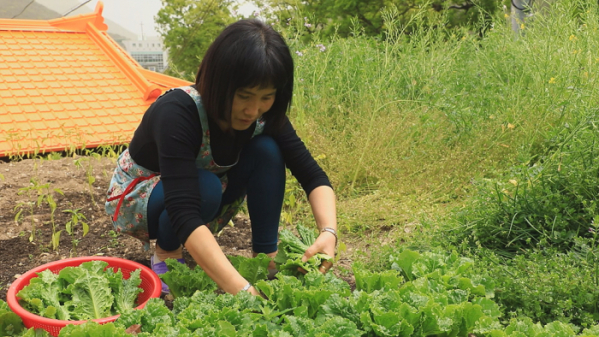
x=252, y=269
x=546, y=285
x=10, y=323
x=292, y=249
x=88, y=291
x=344, y=18
x=184, y=282
x=187, y=28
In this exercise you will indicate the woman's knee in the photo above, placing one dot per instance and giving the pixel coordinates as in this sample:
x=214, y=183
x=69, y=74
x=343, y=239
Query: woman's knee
x=211, y=193
x=266, y=149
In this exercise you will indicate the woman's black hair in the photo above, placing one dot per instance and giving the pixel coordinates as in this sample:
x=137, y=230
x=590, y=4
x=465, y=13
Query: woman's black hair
x=247, y=54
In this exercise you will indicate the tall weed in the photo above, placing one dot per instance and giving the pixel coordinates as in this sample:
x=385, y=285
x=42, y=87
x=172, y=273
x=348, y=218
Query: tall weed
x=549, y=197
x=549, y=201
x=416, y=121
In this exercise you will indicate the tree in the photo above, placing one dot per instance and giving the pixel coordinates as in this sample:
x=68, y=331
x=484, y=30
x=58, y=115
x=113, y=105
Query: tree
x=188, y=27
x=339, y=16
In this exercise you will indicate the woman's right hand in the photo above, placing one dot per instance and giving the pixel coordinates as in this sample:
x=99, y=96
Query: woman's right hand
x=209, y=256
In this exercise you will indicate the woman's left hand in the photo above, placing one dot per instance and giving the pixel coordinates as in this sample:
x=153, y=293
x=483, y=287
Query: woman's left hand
x=325, y=243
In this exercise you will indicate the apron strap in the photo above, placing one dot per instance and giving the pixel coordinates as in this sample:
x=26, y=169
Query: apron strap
x=122, y=196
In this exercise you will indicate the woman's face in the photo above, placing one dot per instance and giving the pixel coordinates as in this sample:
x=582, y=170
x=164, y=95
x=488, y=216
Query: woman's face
x=249, y=104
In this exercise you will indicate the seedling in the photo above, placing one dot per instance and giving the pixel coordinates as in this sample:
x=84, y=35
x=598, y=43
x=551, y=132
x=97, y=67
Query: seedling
x=54, y=156
x=76, y=218
x=46, y=194
x=114, y=241
x=21, y=206
x=14, y=139
x=86, y=164
x=27, y=205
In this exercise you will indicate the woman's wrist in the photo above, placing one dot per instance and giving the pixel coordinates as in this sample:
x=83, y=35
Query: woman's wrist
x=332, y=231
x=246, y=287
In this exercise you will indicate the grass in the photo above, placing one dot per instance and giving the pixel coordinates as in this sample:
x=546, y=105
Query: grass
x=403, y=127
x=407, y=126
x=411, y=128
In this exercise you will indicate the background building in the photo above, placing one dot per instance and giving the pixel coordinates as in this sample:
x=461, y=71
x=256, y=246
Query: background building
x=148, y=53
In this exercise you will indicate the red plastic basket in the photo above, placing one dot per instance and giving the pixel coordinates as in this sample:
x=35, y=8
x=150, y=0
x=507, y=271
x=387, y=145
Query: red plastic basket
x=150, y=283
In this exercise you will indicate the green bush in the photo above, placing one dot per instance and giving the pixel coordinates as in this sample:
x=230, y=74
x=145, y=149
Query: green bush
x=546, y=285
x=548, y=201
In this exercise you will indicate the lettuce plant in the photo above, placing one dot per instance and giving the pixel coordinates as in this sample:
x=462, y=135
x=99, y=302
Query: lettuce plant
x=89, y=291
x=10, y=323
x=184, y=282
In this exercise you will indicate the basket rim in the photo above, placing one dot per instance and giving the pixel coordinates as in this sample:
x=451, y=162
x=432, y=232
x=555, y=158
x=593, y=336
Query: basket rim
x=23, y=280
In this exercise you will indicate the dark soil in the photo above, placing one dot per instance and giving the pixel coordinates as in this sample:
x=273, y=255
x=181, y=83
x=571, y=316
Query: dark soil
x=18, y=191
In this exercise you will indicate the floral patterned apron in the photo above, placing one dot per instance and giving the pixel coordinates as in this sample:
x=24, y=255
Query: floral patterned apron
x=132, y=184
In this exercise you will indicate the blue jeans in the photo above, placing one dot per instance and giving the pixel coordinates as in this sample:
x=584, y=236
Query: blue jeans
x=259, y=174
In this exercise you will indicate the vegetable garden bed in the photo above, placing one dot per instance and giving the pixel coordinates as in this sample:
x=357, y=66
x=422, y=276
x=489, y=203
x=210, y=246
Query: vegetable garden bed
x=423, y=294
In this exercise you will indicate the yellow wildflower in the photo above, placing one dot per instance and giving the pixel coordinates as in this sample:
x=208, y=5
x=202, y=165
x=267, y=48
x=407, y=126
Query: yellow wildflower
x=552, y=80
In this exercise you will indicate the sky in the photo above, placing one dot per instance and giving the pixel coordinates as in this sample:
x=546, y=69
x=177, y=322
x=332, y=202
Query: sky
x=132, y=15
x=137, y=16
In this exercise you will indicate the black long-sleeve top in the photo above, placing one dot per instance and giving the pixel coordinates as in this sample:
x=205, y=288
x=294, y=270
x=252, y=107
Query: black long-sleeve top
x=168, y=141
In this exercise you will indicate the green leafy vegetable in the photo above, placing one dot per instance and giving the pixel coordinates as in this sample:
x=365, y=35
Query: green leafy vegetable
x=441, y=298
x=10, y=323
x=44, y=291
x=369, y=282
x=292, y=249
x=252, y=269
x=35, y=333
x=125, y=290
x=92, y=297
x=93, y=329
x=183, y=281
x=81, y=293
